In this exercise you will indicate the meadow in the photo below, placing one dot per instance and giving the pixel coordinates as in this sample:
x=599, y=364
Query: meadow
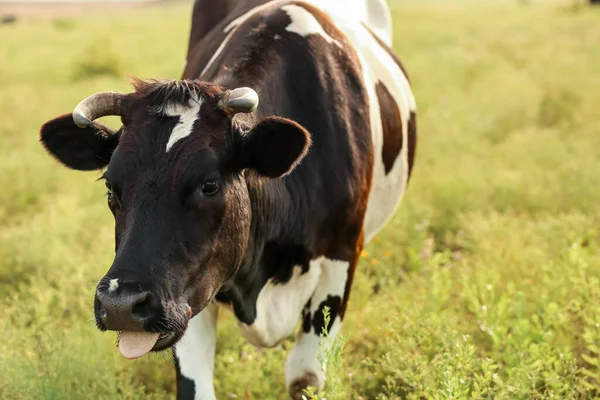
x=486, y=284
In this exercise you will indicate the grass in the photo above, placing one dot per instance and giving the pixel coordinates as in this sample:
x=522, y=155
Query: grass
x=97, y=60
x=486, y=284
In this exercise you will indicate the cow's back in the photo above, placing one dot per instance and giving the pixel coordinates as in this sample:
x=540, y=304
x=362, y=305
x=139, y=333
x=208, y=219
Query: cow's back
x=338, y=79
x=208, y=14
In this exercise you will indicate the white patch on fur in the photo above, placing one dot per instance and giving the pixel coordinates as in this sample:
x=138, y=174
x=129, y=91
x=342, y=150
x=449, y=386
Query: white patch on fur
x=188, y=114
x=378, y=66
x=374, y=13
x=379, y=19
x=113, y=285
x=305, y=24
x=279, y=306
x=304, y=357
x=196, y=352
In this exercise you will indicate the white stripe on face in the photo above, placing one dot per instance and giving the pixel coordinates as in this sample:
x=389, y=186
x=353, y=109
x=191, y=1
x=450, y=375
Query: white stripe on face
x=187, y=116
x=305, y=24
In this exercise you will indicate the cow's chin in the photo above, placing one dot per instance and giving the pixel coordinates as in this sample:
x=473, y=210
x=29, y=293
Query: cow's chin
x=167, y=340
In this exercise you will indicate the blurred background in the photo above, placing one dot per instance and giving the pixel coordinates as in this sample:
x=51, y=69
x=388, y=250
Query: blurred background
x=486, y=284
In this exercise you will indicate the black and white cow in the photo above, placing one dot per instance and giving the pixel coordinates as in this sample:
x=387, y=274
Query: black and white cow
x=264, y=209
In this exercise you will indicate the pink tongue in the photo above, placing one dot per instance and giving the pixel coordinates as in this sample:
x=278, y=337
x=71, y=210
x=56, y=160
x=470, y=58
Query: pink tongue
x=136, y=344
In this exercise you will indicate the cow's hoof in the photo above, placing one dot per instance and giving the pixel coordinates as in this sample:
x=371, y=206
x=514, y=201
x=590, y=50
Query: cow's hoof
x=298, y=385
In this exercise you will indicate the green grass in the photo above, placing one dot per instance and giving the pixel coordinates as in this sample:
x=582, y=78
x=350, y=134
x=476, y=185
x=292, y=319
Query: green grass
x=486, y=284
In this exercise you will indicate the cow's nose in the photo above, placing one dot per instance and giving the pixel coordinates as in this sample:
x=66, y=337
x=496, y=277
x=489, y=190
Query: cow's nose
x=123, y=310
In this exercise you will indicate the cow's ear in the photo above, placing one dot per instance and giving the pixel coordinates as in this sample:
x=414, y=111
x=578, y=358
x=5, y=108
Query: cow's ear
x=83, y=149
x=274, y=146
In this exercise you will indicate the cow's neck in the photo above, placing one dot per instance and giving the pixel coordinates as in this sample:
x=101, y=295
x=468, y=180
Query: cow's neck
x=269, y=238
x=273, y=205
x=272, y=250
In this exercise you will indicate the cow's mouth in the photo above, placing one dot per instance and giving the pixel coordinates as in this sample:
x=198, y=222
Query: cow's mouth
x=137, y=344
x=166, y=340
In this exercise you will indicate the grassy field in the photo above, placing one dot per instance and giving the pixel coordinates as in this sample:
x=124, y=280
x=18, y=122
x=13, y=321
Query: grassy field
x=485, y=285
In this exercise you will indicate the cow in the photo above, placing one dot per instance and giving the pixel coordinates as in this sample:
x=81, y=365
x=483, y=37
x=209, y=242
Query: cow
x=251, y=184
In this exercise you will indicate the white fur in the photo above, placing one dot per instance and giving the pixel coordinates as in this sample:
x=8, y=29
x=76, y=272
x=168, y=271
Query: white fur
x=279, y=305
x=187, y=116
x=113, y=285
x=379, y=18
x=374, y=13
x=305, y=24
x=196, y=352
x=303, y=358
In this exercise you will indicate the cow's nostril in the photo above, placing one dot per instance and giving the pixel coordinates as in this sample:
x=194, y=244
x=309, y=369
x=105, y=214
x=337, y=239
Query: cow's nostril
x=142, y=307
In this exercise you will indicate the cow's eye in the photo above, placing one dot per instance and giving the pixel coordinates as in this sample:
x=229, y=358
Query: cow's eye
x=210, y=188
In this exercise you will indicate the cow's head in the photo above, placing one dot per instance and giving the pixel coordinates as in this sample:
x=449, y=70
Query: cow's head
x=177, y=187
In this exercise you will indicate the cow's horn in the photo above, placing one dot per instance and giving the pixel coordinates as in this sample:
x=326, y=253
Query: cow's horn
x=96, y=106
x=240, y=100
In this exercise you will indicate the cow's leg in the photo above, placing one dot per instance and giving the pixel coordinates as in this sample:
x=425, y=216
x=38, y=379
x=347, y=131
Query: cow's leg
x=195, y=357
x=302, y=368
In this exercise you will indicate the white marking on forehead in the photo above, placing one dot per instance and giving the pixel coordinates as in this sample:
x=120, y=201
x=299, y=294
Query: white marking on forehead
x=113, y=285
x=305, y=24
x=188, y=114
